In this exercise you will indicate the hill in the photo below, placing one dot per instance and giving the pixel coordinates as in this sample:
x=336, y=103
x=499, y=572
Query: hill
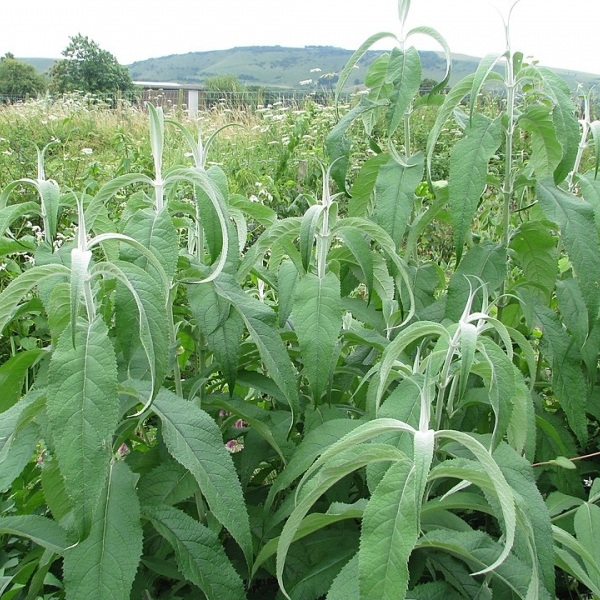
x=281, y=67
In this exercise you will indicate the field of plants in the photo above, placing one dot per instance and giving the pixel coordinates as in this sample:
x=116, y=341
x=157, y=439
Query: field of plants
x=304, y=351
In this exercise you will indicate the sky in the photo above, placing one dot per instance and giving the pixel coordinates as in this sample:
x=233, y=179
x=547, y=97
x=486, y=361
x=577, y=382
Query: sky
x=555, y=32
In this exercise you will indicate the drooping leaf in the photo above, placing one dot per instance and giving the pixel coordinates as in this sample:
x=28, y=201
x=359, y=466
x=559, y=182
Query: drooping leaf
x=83, y=410
x=16, y=290
x=395, y=193
x=38, y=529
x=194, y=440
x=13, y=373
x=575, y=217
x=201, y=558
x=287, y=279
x=104, y=565
x=469, y=159
x=318, y=320
x=168, y=483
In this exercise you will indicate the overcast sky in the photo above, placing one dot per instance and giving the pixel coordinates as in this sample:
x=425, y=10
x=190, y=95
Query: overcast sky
x=555, y=32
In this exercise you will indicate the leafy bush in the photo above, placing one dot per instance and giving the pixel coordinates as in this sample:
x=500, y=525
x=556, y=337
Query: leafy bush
x=209, y=394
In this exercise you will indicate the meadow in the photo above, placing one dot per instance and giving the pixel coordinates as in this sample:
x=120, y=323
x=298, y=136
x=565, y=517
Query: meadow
x=343, y=351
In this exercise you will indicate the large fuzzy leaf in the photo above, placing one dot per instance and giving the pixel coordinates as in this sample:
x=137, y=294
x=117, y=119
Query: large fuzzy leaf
x=318, y=320
x=389, y=532
x=395, y=193
x=201, y=558
x=345, y=585
x=103, y=566
x=194, y=440
x=12, y=375
x=156, y=232
x=468, y=171
x=575, y=217
x=83, y=411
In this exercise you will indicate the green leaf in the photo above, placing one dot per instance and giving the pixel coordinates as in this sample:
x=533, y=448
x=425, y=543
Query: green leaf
x=477, y=549
x=317, y=319
x=567, y=377
x=389, y=532
x=536, y=251
x=309, y=449
x=482, y=74
x=41, y=530
x=308, y=229
x=155, y=231
x=18, y=437
x=468, y=172
x=141, y=317
x=261, y=323
x=338, y=145
x=83, y=411
x=404, y=72
x=575, y=217
x=169, y=483
x=287, y=279
x=18, y=288
x=587, y=530
x=546, y=151
x=104, y=565
x=351, y=459
x=364, y=184
x=484, y=262
x=395, y=194
x=201, y=558
x=13, y=373
x=345, y=585
x=194, y=440
x=9, y=214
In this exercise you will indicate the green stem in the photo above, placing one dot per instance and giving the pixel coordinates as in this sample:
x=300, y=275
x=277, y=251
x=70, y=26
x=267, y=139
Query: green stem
x=173, y=339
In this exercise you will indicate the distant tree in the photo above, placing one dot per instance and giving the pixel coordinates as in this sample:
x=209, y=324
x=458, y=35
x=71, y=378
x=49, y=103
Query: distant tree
x=88, y=68
x=224, y=83
x=18, y=78
x=427, y=85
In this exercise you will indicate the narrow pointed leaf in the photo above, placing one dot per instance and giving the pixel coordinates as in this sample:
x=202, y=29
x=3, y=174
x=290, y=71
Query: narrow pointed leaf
x=261, y=323
x=83, y=410
x=317, y=319
x=389, y=532
x=17, y=289
x=468, y=172
x=13, y=373
x=546, y=151
x=103, y=566
x=194, y=440
x=345, y=585
x=404, y=71
x=395, y=194
x=201, y=558
x=587, y=529
x=575, y=217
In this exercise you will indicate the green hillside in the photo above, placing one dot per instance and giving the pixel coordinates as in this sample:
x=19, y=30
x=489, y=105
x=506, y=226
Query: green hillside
x=280, y=67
